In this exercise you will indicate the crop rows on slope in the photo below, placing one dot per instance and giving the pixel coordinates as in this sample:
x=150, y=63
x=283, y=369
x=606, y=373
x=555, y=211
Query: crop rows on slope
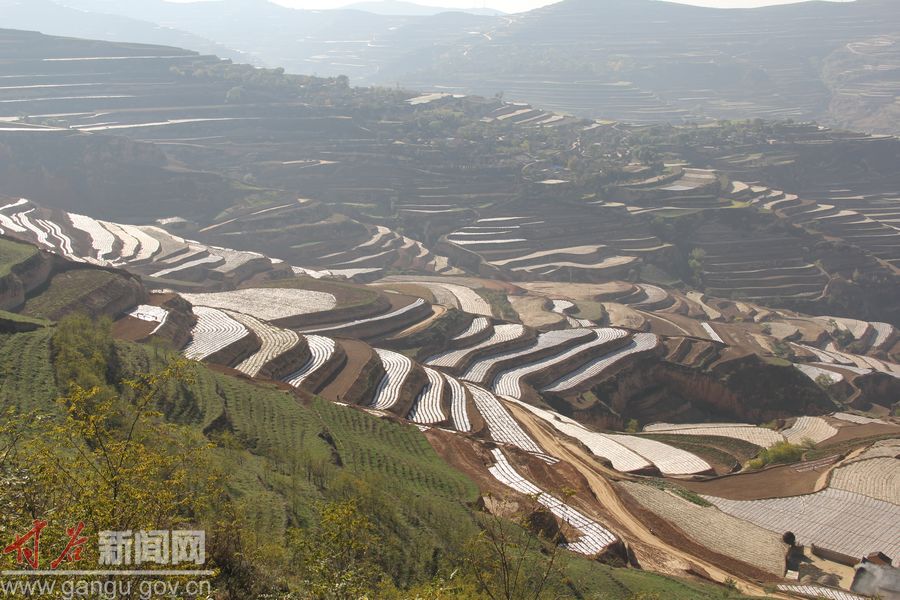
x=668, y=459
x=385, y=317
x=467, y=299
x=594, y=537
x=148, y=245
x=714, y=529
x=475, y=327
x=671, y=427
x=27, y=378
x=809, y=428
x=459, y=411
x=427, y=407
x=818, y=592
x=851, y=418
x=814, y=372
x=393, y=451
x=838, y=520
x=6, y=222
x=759, y=436
x=453, y=358
x=267, y=418
x=274, y=342
x=622, y=458
x=883, y=332
x=267, y=304
x=128, y=243
x=209, y=259
x=502, y=427
x=479, y=369
x=75, y=290
x=214, y=331
x=44, y=232
x=23, y=220
x=881, y=448
x=712, y=333
x=101, y=240
x=641, y=342
x=855, y=363
x=877, y=477
x=564, y=308
x=508, y=383
x=397, y=368
x=321, y=350
x=63, y=241
x=232, y=259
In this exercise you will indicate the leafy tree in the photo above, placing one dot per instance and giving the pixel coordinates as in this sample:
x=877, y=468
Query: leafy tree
x=509, y=563
x=336, y=557
x=105, y=458
x=695, y=262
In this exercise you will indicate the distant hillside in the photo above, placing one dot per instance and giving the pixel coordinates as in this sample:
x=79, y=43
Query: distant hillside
x=646, y=61
x=629, y=60
x=325, y=42
x=53, y=18
x=397, y=7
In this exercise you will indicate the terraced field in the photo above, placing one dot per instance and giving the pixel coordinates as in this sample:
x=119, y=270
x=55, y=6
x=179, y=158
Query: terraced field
x=640, y=342
x=450, y=294
x=714, y=529
x=382, y=323
x=593, y=538
x=501, y=425
x=814, y=372
x=428, y=408
x=397, y=367
x=268, y=304
x=877, y=478
x=477, y=326
x=809, y=428
x=817, y=592
x=458, y=405
x=759, y=436
x=600, y=445
x=508, y=383
x=34, y=386
x=321, y=350
x=480, y=368
x=92, y=292
x=154, y=252
x=215, y=330
x=668, y=459
x=838, y=520
x=275, y=342
x=455, y=358
x=538, y=244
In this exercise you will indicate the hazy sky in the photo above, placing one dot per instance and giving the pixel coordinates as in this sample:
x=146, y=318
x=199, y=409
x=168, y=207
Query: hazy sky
x=518, y=5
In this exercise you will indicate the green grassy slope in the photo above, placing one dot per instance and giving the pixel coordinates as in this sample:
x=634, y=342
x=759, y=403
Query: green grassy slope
x=13, y=253
x=65, y=291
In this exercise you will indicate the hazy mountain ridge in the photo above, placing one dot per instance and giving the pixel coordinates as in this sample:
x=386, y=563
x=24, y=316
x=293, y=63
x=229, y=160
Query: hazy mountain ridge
x=635, y=60
x=397, y=7
x=52, y=18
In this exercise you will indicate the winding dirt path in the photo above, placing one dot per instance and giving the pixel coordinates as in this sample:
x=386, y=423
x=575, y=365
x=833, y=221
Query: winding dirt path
x=596, y=474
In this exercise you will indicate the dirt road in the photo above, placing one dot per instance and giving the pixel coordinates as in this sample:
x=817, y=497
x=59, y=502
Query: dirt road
x=607, y=497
